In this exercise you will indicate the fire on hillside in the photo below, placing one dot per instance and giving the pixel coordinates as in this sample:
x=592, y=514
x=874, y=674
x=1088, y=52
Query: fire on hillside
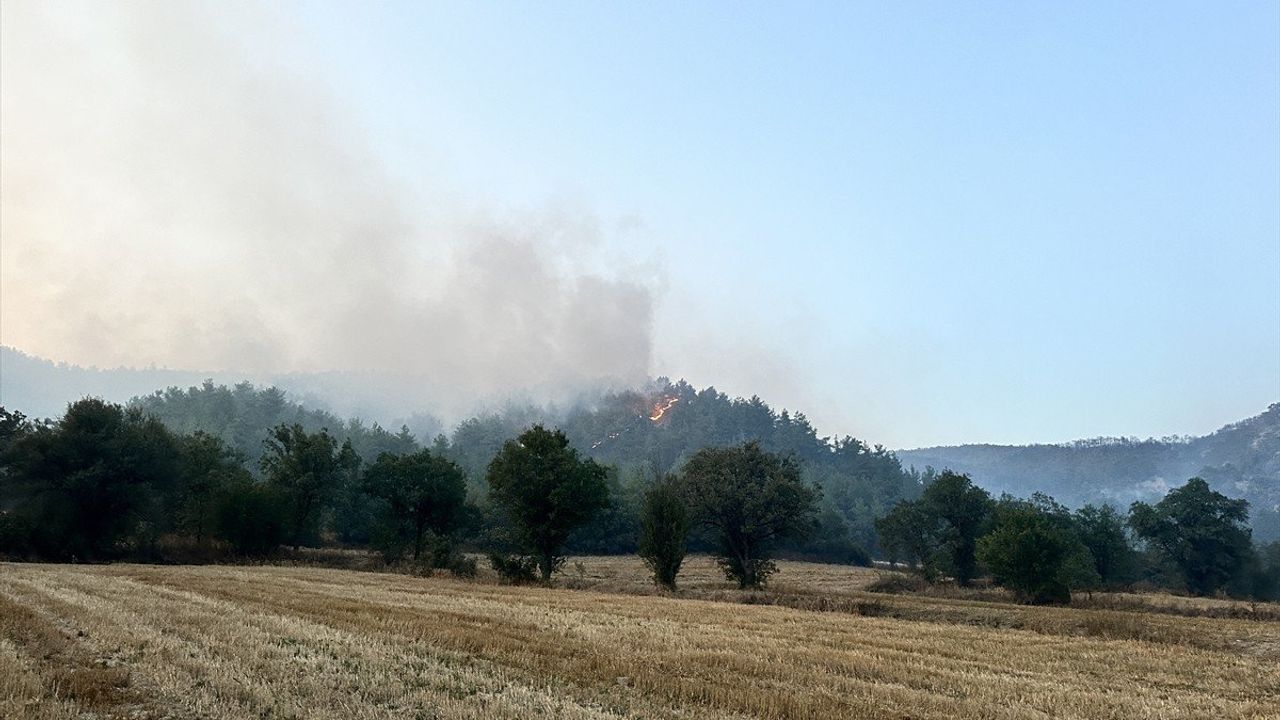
x=661, y=407
x=659, y=411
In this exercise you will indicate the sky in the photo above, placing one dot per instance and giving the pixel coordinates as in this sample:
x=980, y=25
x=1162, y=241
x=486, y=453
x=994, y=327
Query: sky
x=917, y=223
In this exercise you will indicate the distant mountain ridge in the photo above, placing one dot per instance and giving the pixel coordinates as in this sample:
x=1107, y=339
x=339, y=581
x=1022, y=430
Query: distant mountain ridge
x=1241, y=460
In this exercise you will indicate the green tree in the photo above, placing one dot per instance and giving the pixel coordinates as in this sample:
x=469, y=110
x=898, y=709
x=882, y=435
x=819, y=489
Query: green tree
x=940, y=530
x=1034, y=551
x=543, y=491
x=907, y=534
x=750, y=499
x=664, y=530
x=13, y=426
x=251, y=517
x=93, y=485
x=1102, y=530
x=1202, y=533
x=424, y=496
x=1267, y=582
x=613, y=530
x=961, y=509
x=207, y=468
x=306, y=469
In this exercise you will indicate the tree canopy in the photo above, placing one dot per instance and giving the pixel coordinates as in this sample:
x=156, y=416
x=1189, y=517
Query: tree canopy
x=543, y=490
x=941, y=529
x=307, y=469
x=1203, y=533
x=750, y=499
x=423, y=496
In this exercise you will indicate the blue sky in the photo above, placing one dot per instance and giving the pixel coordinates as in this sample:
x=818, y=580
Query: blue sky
x=942, y=222
x=920, y=223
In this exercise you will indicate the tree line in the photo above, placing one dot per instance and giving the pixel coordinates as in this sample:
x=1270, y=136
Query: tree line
x=859, y=482
x=1195, y=540
x=107, y=482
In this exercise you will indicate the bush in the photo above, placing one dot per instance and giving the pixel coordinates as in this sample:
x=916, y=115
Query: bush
x=664, y=528
x=898, y=584
x=514, y=569
x=460, y=565
x=441, y=553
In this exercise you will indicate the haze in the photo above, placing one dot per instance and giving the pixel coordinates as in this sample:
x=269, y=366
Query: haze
x=919, y=225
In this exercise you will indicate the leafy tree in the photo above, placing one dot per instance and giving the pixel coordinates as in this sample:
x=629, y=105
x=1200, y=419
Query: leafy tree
x=1203, y=533
x=1034, y=551
x=941, y=529
x=962, y=509
x=306, y=469
x=424, y=496
x=1267, y=582
x=251, y=517
x=13, y=427
x=1102, y=530
x=544, y=491
x=750, y=499
x=94, y=483
x=908, y=534
x=831, y=541
x=15, y=528
x=613, y=530
x=207, y=468
x=664, y=529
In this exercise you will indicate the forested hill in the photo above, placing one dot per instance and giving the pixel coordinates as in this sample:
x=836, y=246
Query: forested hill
x=625, y=430
x=1240, y=460
x=641, y=434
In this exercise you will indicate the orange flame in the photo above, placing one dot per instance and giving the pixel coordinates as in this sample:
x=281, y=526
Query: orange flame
x=661, y=407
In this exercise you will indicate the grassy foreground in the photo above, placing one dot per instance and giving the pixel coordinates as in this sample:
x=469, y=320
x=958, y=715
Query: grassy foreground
x=279, y=642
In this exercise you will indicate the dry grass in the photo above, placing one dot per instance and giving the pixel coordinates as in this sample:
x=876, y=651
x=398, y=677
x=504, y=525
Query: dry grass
x=280, y=642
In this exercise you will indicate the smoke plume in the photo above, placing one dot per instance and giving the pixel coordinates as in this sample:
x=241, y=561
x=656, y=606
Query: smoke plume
x=172, y=193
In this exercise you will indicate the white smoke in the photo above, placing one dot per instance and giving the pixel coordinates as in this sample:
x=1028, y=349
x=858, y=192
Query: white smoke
x=170, y=195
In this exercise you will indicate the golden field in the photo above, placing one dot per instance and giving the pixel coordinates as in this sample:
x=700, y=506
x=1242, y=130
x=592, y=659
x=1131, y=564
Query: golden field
x=135, y=641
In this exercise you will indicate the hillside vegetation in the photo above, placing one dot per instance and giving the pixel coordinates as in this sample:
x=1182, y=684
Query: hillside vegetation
x=625, y=431
x=1241, y=460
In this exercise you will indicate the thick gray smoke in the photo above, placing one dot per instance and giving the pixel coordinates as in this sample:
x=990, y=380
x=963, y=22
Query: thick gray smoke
x=176, y=194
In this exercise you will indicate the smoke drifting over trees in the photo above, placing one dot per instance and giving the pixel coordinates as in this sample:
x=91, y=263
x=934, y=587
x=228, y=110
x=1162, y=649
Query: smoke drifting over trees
x=175, y=194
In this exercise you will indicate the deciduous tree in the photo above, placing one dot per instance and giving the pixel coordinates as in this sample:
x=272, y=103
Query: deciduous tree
x=424, y=496
x=542, y=490
x=664, y=529
x=1203, y=533
x=750, y=499
x=306, y=469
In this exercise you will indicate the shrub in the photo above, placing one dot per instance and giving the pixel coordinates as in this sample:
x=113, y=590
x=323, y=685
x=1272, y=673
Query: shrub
x=514, y=569
x=898, y=584
x=460, y=565
x=664, y=528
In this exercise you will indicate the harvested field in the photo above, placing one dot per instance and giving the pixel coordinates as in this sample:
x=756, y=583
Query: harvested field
x=280, y=642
